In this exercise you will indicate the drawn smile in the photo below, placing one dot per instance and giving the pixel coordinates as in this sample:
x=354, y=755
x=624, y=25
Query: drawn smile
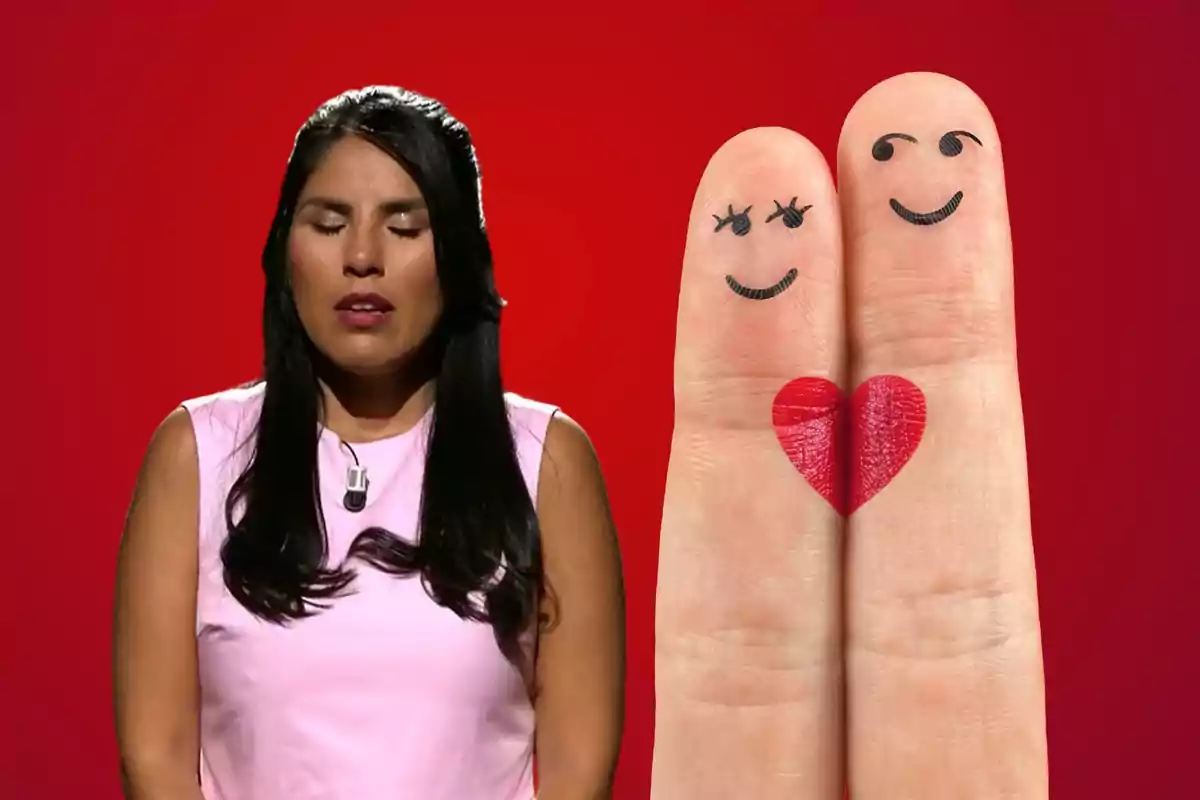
x=765, y=293
x=931, y=218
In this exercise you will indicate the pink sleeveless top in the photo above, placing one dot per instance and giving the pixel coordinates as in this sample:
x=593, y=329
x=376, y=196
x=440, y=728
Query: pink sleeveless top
x=385, y=695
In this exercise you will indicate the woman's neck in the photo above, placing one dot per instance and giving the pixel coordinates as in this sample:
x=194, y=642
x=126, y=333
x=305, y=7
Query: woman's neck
x=363, y=409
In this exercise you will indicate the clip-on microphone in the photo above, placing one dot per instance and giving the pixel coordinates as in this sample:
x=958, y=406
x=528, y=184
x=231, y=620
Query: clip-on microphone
x=355, y=499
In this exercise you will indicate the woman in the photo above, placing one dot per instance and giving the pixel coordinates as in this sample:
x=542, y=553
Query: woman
x=373, y=574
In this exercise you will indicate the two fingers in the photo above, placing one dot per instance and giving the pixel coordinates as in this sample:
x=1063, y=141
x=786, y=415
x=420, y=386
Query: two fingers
x=846, y=588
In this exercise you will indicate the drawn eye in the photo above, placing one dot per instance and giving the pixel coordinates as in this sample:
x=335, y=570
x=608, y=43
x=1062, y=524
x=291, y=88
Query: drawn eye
x=951, y=145
x=792, y=217
x=738, y=222
x=883, y=149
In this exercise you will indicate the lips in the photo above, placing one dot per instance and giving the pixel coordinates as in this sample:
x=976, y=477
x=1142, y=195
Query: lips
x=365, y=303
x=362, y=312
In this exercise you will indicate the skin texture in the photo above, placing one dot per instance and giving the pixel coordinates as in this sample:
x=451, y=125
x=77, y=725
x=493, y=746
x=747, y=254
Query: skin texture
x=944, y=666
x=154, y=653
x=748, y=637
x=924, y=626
x=347, y=238
x=581, y=650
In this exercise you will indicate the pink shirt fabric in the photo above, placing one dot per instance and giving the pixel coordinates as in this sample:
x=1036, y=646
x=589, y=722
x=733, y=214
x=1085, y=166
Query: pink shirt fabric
x=385, y=695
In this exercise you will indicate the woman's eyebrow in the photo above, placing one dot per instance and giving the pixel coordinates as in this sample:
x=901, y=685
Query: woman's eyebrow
x=398, y=205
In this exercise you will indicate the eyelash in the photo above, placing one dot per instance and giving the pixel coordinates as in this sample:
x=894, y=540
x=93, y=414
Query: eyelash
x=333, y=230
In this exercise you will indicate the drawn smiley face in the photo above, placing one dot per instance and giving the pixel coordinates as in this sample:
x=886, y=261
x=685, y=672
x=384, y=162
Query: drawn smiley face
x=739, y=223
x=950, y=145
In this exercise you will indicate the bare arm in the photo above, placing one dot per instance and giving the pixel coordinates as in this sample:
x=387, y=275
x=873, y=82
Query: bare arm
x=581, y=653
x=154, y=642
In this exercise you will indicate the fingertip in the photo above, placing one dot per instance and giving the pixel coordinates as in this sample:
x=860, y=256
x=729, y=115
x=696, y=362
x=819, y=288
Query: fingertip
x=749, y=158
x=927, y=84
x=750, y=172
x=767, y=140
x=762, y=262
x=907, y=103
x=925, y=214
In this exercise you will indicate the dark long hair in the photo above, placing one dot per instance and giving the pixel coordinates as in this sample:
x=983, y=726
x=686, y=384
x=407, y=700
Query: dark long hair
x=477, y=522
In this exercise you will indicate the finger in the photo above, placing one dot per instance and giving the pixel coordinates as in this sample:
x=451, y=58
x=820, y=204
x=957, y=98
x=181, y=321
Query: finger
x=943, y=662
x=747, y=634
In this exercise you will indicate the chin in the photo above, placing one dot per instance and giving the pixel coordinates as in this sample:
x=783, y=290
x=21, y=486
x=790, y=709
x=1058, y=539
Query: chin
x=370, y=359
x=367, y=356
x=367, y=366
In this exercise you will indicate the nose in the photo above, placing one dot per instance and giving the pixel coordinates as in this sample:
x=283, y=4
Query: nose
x=362, y=257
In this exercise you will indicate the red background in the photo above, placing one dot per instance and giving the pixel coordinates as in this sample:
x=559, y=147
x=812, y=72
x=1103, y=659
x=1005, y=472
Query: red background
x=142, y=151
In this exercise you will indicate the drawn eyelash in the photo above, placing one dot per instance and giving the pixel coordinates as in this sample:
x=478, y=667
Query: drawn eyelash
x=738, y=222
x=792, y=217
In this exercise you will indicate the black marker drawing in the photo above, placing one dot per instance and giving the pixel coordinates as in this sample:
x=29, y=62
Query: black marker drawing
x=792, y=217
x=950, y=145
x=739, y=223
x=883, y=149
x=930, y=218
x=762, y=294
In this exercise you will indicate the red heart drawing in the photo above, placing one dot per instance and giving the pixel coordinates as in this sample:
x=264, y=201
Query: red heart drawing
x=849, y=451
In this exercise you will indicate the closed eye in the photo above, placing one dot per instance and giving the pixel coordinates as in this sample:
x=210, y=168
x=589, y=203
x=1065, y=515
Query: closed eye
x=406, y=233
x=333, y=230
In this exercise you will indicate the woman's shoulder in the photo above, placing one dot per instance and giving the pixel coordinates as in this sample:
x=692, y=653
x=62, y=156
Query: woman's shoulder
x=225, y=415
x=520, y=405
x=532, y=421
x=243, y=396
x=535, y=417
x=544, y=430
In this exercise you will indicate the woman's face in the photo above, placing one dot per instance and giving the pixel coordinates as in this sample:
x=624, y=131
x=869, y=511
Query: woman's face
x=363, y=271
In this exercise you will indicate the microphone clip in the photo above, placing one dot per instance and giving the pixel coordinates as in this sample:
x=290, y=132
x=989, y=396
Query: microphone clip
x=355, y=499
